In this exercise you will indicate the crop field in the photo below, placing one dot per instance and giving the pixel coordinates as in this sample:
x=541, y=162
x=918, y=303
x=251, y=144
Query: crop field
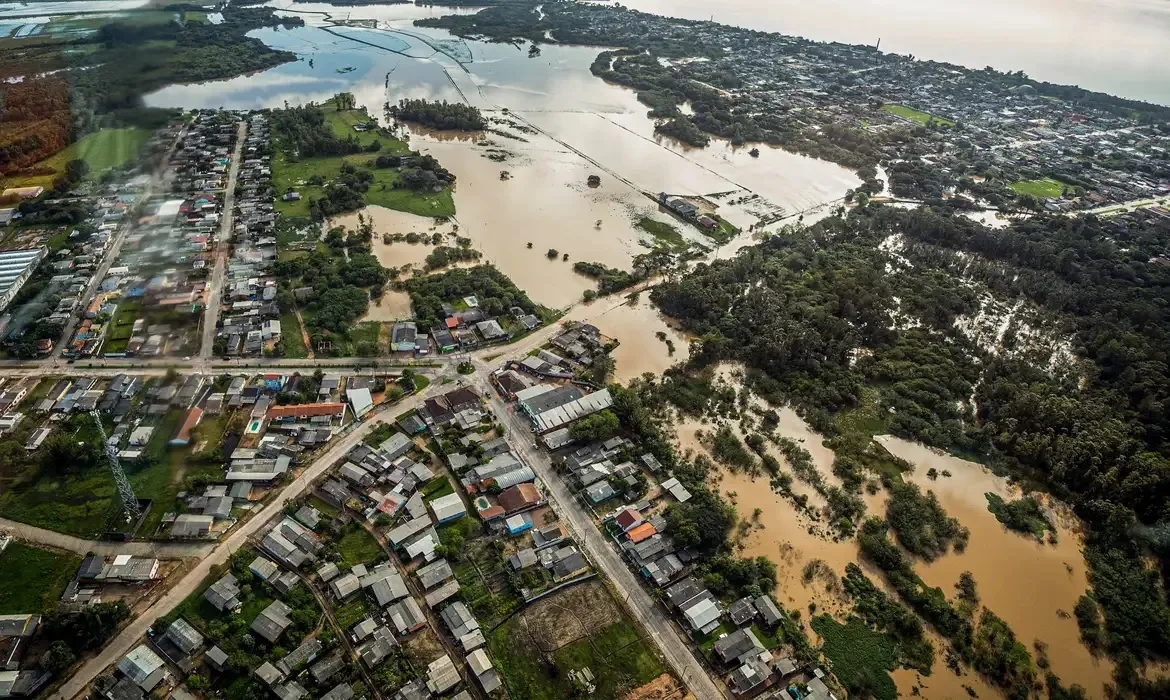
x=581, y=626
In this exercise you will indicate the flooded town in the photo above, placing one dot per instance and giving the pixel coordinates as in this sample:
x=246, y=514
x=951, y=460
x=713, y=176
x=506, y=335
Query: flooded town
x=577, y=349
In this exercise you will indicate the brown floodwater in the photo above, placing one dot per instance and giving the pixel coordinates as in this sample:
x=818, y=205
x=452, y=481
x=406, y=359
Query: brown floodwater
x=636, y=326
x=1023, y=581
x=1031, y=585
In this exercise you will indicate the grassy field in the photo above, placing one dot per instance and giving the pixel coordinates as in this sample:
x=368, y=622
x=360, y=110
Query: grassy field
x=1048, y=187
x=357, y=546
x=915, y=115
x=33, y=578
x=290, y=333
x=437, y=488
x=81, y=503
x=102, y=150
x=665, y=234
x=579, y=627
x=121, y=326
x=352, y=612
x=288, y=173
x=856, y=651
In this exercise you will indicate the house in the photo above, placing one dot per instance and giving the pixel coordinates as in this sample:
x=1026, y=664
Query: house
x=341, y=691
x=404, y=337
x=436, y=574
x=184, y=636
x=459, y=620
x=345, y=586
x=216, y=658
x=188, y=525
x=328, y=667
x=750, y=675
x=569, y=566
x=735, y=647
x=406, y=616
x=448, y=508
x=327, y=572
x=523, y=559
x=395, y=446
x=224, y=594
x=676, y=489
x=272, y=621
x=627, y=519
x=143, y=667
x=741, y=611
x=599, y=492
x=317, y=413
x=378, y=648
x=641, y=532
x=768, y=610
x=264, y=568
x=485, y=673
x=442, y=675
x=385, y=584
x=520, y=497
x=518, y=524
x=360, y=401
x=702, y=612
x=663, y=569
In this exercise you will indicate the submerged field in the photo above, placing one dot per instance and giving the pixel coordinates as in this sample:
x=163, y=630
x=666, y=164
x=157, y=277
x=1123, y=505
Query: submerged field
x=914, y=115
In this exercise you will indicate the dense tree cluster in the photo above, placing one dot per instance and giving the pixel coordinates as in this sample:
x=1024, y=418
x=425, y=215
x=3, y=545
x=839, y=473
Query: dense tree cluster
x=814, y=314
x=439, y=115
x=304, y=133
x=920, y=523
x=496, y=293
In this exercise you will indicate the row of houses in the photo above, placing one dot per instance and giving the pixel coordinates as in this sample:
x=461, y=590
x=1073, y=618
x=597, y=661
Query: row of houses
x=251, y=323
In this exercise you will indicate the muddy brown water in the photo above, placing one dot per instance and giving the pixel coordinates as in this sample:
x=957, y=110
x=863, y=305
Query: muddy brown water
x=1025, y=582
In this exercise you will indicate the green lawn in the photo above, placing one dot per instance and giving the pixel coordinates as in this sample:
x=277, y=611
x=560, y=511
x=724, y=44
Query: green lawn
x=352, y=612
x=288, y=173
x=438, y=487
x=121, y=326
x=33, y=578
x=915, y=115
x=290, y=335
x=357, y=546
x=102, y=150
x=856, y=651
x=1048, y=187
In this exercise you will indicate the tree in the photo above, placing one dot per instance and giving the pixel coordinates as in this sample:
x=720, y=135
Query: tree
x=58, y=658
x=598, y=426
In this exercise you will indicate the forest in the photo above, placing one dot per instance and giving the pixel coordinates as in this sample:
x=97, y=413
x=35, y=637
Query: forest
x=439, y=115
x=813, y=315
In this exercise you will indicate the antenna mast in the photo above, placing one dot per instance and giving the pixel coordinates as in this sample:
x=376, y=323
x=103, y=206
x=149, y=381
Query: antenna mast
x=125, y=490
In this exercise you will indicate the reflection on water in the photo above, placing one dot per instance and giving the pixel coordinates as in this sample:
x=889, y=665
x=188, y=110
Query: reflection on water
x=1045, y=38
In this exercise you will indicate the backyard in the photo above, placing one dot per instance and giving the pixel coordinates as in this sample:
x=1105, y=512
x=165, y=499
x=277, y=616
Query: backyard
x=33, y=578
x=357, y=546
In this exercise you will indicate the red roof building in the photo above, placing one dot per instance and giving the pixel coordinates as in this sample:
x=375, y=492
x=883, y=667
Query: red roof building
x=628, y=518
x=306, y=411
x=641, y=532
x=519, y=497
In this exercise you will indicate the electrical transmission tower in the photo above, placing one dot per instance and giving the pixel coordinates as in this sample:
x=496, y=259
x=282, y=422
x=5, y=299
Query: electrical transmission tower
x=125, y=490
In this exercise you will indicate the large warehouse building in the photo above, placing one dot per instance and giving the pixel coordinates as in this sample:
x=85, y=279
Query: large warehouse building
x=16, y=266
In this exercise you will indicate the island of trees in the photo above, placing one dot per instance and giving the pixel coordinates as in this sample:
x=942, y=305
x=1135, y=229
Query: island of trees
x=439, y=115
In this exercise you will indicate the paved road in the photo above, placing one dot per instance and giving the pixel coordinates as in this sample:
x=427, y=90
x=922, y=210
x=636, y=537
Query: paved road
x=130, y=635
x=159, y=550
x=111, y=253
x=222, y=245
x=676, y=650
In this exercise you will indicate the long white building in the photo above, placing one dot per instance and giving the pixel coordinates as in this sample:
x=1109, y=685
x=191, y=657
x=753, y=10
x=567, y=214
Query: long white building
x=16, y=266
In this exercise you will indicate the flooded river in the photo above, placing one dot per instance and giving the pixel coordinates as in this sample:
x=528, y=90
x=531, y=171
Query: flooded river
x=1031, y=585
x=565, y=125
